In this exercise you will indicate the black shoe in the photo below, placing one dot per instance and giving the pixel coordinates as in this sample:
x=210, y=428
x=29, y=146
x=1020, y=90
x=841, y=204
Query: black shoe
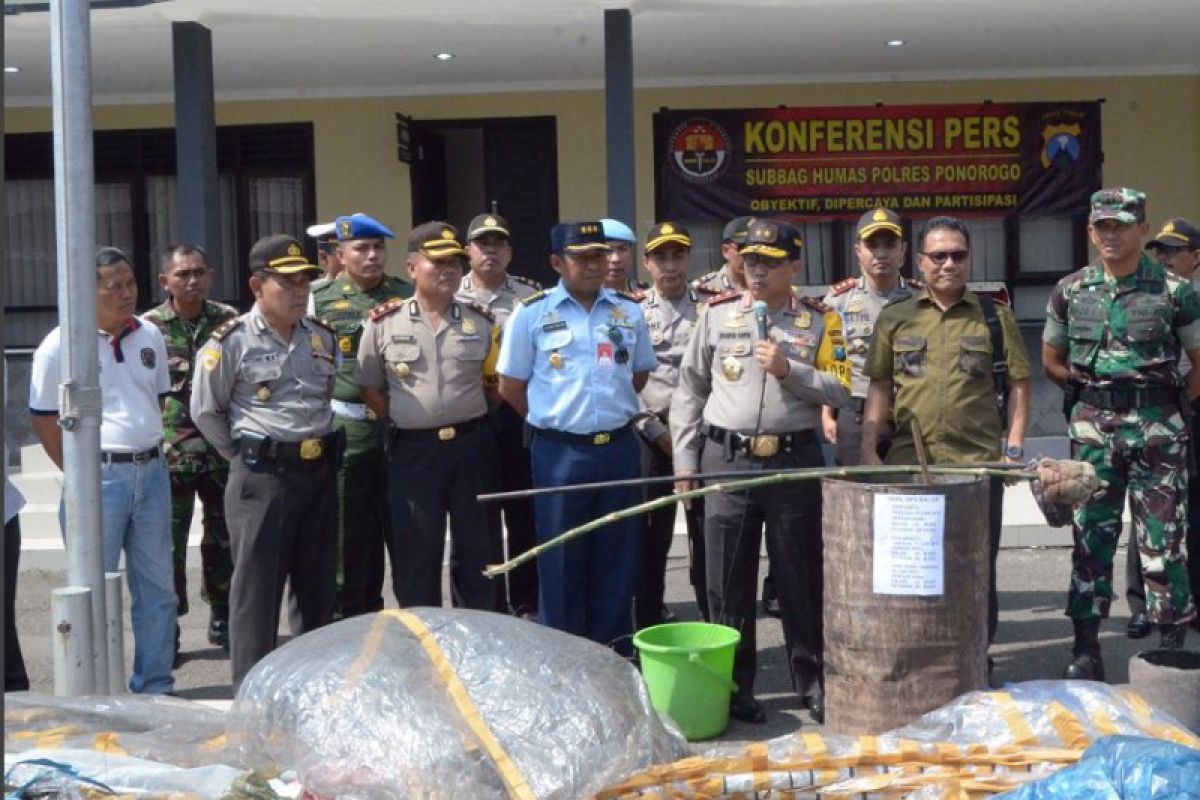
x=745, y=708
x=218, y=633
x=816, y=707
x=177, y=660
x=1139, y=626
x=770, y=605
x=666, y=615
x=1086, y=667
x=1171, y=637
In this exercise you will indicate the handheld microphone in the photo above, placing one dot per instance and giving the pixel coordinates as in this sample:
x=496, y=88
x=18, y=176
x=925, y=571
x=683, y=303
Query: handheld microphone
x=760, y=318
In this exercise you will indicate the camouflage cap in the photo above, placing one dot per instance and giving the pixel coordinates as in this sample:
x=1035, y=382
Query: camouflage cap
x=1125, y=205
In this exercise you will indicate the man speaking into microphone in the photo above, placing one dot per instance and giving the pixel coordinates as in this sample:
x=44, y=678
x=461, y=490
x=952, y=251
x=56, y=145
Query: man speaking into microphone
x=759, y=366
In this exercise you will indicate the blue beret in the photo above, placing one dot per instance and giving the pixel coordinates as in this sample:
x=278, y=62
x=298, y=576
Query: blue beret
x=576, y=237
x=360, y=226
x=617, y=231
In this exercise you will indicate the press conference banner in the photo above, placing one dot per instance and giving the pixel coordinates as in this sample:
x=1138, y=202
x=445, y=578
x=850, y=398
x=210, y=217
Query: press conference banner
x=990, y=159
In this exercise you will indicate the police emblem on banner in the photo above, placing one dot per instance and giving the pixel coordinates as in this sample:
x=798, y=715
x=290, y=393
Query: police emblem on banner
x=148, y=358
x=700, y=150
x=1060, y=146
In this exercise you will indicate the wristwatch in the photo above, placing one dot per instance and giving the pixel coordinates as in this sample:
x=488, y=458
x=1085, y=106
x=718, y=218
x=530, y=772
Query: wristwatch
x=1014, y=452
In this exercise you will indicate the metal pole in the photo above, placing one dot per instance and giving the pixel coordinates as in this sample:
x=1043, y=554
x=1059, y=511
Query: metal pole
x=70, y=615
x=114, y=605
x=79, y=394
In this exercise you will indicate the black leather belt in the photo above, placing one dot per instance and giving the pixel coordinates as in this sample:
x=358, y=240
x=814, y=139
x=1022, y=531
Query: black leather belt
x=140, y=457
x=1125, y=398
x=762, y=445
x=306, y=451
x=596, y=439
x=445, y=433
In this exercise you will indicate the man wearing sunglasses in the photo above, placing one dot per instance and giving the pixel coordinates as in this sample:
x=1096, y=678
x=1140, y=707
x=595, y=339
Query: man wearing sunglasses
x=1115, y=331
x=931, y=361
x=1177, y=247
x=758, y=368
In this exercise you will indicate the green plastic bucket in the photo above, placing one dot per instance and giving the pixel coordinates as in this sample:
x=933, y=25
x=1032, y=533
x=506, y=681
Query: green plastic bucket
x=688, y=668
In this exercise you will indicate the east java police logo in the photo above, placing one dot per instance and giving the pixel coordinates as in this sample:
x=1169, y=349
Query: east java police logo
x=1060, y=146
x=699, y=149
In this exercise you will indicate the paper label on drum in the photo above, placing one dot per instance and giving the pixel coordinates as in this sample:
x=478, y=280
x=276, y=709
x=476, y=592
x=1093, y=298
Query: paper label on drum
x=909, y=554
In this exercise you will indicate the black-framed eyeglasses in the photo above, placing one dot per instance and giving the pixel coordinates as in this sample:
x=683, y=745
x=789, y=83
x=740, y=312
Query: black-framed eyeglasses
x=940, y=257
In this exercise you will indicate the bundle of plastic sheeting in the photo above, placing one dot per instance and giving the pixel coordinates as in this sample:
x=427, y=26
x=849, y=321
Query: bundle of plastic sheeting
x=448, y=703
x=1123, y=767
x=981, y=745
x=139, y=745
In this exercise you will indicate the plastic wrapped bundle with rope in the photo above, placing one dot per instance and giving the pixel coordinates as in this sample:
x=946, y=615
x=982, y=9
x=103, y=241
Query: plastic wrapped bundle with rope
x=980, y=745
x=441, y=703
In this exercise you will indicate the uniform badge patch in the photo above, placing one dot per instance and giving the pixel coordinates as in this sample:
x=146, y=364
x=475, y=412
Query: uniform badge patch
x=468, y=326
x=732, y=368
x=345, y=344
x=149, y=359
x=211, y=357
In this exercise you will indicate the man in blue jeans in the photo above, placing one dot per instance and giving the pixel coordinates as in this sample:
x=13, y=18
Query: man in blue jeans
x=135, y=489
x=572, y=362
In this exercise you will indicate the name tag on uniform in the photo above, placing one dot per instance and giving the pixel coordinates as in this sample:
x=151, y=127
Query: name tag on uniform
x=403, y=338
x=555, y=326
x=604, y=355
x=265, y=358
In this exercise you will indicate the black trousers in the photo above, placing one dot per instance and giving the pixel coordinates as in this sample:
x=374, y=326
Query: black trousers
x=515, y=474
x=15, y=678
x=282, y=525
x=995, y=528
x=734, y=523
x=430, y=478
x=656, y=543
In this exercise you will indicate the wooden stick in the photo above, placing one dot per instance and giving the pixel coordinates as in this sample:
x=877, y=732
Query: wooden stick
x=1008, y=471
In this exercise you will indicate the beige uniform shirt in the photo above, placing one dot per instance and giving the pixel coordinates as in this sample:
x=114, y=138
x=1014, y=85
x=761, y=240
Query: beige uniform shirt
x=859, y=306
x=671, y=323
x=715, y=282
x=721, y=382
x=250, y=381
x=433, y=376
x=500, y=301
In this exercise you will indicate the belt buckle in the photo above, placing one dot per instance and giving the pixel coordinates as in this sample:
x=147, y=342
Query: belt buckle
x=764, y=446
x=601, y=438
x=312, y=449
x=447, y=433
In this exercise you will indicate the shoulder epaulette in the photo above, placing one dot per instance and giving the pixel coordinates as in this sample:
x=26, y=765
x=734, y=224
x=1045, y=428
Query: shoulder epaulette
x=225, y=308
x=705, y=290
x=722, y=298
x=527, y=281
x=225, y=328
x=383, y=309
x=631, y=296
x=913, y=283
x=814, y=304
x=533, y=298
x=706, y=277
x=323, y=323
x=841, y=287
x=478, y=309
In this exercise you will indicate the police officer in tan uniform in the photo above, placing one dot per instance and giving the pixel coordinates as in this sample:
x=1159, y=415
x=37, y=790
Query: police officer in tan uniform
x=260, y=396
x=491, y=285
x=880, y=248
x=670, y=308
x=757, y=401
x=729, y=277
x=422, y=364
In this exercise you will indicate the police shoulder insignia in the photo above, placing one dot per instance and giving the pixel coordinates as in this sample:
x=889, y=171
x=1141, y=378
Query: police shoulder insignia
x=913, y=283
x=526, y=281
x=533, y=298
x=705, y=278
x=383, y=309
x=226, y=328
x=814, y=304
x=723, y=298
x=323, y=323
x=480, y=310
x=633, y=297
x=841, y=287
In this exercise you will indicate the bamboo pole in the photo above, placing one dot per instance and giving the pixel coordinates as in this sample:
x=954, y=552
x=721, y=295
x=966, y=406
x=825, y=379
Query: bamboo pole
x=1012, y=472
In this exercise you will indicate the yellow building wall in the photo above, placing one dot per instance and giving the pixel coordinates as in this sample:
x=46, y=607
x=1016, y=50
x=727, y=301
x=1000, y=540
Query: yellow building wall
x=1149, y=136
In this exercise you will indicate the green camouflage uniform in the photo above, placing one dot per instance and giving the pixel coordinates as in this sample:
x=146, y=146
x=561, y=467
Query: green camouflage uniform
x=196, y=468
x=1123, y=337
x=364, y=529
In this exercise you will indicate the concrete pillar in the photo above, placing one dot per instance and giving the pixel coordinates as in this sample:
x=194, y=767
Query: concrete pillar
x=197, y=196
x=618, y=115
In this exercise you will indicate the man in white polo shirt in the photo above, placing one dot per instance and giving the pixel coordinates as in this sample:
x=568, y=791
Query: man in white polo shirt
x=135, y=489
